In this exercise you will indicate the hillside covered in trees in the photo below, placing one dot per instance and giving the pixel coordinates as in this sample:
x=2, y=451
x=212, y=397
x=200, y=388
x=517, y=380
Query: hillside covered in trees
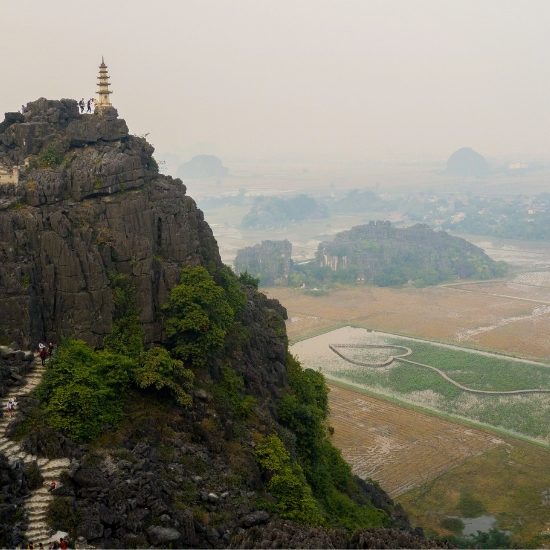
x=377, y=253
x=381, y=254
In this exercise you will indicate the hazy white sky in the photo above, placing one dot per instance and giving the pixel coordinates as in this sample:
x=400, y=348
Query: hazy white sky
x=296, y=79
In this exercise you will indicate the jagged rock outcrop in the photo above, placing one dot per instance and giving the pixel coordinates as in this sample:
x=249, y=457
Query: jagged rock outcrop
x=14, y=365
x=90, y=202
x=13, y=490
x=286, y=534
x=269, y=261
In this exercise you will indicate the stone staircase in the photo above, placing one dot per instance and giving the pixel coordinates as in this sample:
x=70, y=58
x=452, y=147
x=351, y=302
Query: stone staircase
x=36, y=505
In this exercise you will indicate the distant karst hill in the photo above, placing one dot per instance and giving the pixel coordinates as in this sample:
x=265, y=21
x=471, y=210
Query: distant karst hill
x=203, y=166
x=466, y=162
x=274, y=212
x=382, y=254
x=269, y=261
x=377, y=253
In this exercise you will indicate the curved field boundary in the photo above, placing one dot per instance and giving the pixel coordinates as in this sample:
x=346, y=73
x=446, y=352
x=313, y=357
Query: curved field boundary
x=408, y=352
x=334, y=348
x=472, y=390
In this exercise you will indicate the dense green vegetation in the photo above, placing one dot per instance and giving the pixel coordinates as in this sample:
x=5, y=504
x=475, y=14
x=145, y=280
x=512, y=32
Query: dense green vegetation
x=85, y=390
x=304, y=411
x=198, y=315
x=287, y=482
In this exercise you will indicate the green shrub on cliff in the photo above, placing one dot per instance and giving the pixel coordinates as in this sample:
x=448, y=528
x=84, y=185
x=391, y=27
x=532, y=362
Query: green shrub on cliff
x=157, y=369
x=83, y=390
x=51, y=156
x=198, y=315
x=304, y=411
x=287, y=482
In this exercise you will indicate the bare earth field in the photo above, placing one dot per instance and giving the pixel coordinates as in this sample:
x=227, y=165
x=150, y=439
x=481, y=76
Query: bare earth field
x=473, y=318
x=378, y=437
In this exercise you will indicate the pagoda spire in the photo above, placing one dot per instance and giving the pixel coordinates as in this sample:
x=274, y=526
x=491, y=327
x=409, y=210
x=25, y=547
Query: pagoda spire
x=103, y=91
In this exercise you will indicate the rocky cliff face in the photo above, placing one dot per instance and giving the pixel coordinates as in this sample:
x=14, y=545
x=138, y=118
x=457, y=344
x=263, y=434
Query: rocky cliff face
x=89, y=203
x=269, y=261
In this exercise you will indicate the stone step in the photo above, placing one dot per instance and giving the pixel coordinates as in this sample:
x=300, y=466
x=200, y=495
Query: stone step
x=39, y=517
x=26, y=458
x=54, y=467
x=37, y=506
x=34, y=535
x=8, y=444
x=37, y=513
x=56, y=463
x=39, y=500
x=39, y=527
x=11, y=450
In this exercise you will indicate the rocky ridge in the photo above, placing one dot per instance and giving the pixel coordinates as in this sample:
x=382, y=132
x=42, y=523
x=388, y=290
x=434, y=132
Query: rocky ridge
x=89, y=203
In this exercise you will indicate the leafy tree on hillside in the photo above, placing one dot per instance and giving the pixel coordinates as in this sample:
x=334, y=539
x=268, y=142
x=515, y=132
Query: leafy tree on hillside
x=198, y=315
x=83, y=390
x=157, y=369
x=304, y=410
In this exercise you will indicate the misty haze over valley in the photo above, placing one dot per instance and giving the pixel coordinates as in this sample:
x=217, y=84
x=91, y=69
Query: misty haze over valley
x=275, y=274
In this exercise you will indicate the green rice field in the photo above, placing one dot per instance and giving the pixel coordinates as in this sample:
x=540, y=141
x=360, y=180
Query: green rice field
x=527, y=415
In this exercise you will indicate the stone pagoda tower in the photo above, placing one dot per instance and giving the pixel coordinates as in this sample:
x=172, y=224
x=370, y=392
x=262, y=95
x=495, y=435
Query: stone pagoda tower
x=103, y=91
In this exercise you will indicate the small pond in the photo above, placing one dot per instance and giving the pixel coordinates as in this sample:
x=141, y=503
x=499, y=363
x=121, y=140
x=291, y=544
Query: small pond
x=482, y=523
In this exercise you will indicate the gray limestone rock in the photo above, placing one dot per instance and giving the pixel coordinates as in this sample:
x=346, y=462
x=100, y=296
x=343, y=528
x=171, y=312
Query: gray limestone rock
x=160, y=536
x=255, y=518
x=91, y=528
x=102, y=209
